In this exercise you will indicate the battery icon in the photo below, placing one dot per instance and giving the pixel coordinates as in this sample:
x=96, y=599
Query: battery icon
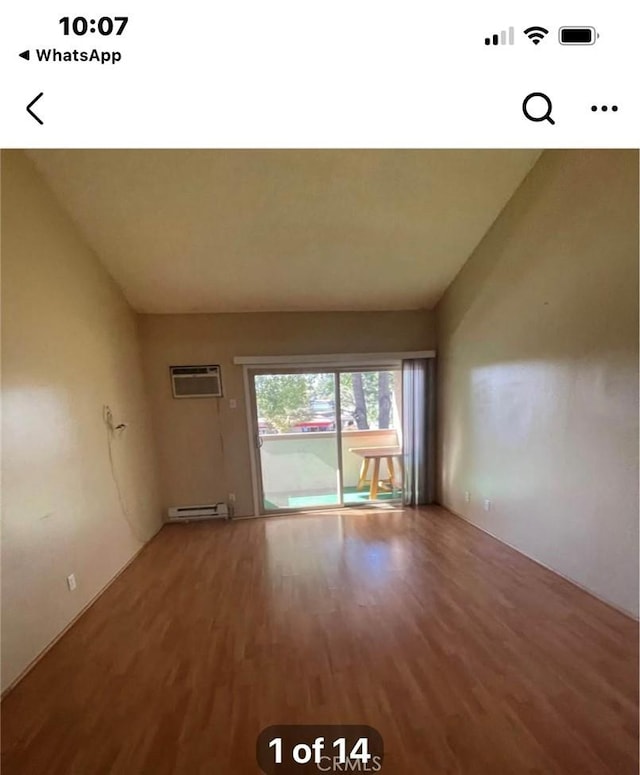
x=577, y=36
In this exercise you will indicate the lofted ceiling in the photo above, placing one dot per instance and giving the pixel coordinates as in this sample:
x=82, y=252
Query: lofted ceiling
x=275, y=230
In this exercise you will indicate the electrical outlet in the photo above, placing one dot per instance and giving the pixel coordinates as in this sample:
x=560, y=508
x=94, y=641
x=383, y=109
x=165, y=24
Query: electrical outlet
x=232, y=497
x=233, y=404
x=71, y=582
x=467, y=497
x=487, y=504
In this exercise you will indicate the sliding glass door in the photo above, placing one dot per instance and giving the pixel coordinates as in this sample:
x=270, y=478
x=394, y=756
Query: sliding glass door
x=297, y=440
x=326, y=438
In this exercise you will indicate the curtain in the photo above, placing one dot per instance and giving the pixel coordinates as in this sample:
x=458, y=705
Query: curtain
x=418, y=431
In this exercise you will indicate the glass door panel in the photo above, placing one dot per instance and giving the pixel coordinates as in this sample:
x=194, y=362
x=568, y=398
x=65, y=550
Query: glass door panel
x=371, y=420
x=297, y=440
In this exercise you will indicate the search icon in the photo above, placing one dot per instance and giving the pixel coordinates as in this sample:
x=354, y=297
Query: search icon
x=542, y=107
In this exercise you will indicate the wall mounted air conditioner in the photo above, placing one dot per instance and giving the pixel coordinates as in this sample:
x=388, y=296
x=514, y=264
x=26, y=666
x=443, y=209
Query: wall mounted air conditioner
x=189, y=513
x=196, y=381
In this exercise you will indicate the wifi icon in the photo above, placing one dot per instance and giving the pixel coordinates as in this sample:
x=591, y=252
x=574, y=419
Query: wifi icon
x=536, y=34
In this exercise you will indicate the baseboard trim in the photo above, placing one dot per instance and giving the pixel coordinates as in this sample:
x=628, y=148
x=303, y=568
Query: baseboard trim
x=575, y=583
x=76, y=618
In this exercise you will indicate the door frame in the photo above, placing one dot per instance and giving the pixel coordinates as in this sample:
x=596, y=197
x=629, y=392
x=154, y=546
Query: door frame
x=305, y=365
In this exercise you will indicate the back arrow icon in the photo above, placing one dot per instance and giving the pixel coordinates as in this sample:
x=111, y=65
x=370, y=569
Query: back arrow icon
x=31, y=104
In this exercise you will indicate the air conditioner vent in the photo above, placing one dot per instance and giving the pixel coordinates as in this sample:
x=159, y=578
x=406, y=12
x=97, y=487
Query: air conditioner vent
x=196, y=382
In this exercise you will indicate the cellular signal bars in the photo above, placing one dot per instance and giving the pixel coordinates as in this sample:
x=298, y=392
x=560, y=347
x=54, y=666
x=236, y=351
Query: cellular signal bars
x=505, y=38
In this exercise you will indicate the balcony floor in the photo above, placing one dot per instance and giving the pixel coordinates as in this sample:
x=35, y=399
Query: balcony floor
x=351, y=496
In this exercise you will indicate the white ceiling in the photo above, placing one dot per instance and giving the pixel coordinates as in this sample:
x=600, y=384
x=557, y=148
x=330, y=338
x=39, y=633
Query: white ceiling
x=259, y=230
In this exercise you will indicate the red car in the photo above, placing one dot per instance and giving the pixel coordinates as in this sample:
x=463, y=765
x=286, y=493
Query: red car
x=312, y=426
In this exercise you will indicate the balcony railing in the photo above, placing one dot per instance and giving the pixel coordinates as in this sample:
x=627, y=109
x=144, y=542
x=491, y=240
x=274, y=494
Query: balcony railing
x=295, y=465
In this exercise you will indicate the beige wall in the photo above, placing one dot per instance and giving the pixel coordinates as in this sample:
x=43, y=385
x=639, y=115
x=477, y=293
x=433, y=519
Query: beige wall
x=538, y=365
x=192, y=434
x=69, y=346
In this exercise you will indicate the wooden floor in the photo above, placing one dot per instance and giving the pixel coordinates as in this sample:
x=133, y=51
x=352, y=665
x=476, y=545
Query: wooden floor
x=467, y=657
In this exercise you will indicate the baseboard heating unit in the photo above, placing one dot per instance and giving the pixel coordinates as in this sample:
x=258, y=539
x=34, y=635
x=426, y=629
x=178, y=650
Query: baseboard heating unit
x=192, y=513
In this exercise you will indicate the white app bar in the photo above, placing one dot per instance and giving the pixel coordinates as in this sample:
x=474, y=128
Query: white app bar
x=332, y=74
